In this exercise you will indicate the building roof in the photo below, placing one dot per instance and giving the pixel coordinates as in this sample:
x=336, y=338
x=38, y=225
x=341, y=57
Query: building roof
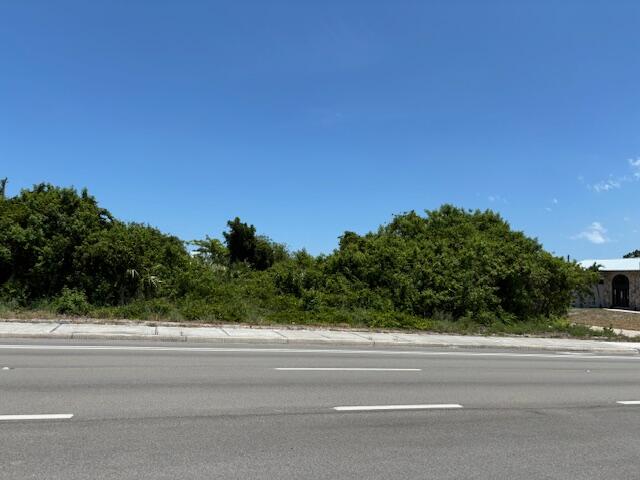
x=614, y=264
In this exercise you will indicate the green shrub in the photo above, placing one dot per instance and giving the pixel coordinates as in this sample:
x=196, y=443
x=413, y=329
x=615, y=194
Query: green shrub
x=201, y=310
x=72, y=302
x=13, y=295
x=153, y=309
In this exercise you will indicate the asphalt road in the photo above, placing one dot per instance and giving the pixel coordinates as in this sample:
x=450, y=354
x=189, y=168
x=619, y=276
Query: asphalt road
x=167, y=411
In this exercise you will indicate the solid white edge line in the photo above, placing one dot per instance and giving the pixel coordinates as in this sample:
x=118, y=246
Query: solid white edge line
x=43, y=416
x=629, y=402
x=578, y=355
x=372, y=408
x=345, y=369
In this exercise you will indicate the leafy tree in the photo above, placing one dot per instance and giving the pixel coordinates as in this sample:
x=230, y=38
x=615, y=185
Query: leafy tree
x=211, y=251
x=634, y=254
x=128, y=261
x=245, y=246
x=241, y=241
x=40, y=229
x=469, y=264
x=268, y=253
x=52, y=237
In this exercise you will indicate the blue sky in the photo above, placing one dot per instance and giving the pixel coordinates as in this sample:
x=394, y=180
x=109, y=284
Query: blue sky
x=309, y=118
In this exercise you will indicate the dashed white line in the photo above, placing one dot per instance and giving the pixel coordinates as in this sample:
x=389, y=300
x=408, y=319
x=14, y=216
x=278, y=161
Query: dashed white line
x=43, y=416
x=346, y=369
x=373, y=408
x=629, y=402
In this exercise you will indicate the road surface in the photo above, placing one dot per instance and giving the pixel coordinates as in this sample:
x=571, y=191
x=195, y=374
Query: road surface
x=117, y=410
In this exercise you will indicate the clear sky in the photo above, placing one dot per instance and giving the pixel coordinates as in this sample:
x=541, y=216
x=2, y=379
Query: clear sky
x=308, y=118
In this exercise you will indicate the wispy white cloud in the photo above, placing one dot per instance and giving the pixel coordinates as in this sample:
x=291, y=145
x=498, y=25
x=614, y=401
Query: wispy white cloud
x=594, y=233
x=554, y=202
x=635, y=166
x=497, y=198
x=610, y=184
x=615, y=182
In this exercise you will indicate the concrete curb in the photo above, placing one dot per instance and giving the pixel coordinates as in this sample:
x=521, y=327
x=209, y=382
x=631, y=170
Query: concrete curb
x=318, y=337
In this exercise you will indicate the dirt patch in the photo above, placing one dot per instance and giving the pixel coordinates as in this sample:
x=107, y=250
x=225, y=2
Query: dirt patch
x=601, y=317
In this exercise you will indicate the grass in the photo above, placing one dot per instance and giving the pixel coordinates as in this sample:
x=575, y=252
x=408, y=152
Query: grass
x=160, y=310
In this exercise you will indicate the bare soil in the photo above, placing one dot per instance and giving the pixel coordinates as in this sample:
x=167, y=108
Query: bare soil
x=602, y=317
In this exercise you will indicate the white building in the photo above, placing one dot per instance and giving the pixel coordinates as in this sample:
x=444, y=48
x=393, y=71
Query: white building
x=619, y=285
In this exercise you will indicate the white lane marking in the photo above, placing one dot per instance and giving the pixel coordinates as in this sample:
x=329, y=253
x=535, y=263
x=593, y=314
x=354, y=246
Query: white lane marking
x=573, y=353
x=373, y=408
x=346, y=369
x=43, y=416
x=629, y=402
x=578, y=355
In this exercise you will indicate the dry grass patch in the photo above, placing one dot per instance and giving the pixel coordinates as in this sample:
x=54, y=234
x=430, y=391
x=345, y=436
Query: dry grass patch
x=601, y=317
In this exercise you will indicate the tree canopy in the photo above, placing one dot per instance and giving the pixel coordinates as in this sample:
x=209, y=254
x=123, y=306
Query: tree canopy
x=462, y=263
x=454, y=263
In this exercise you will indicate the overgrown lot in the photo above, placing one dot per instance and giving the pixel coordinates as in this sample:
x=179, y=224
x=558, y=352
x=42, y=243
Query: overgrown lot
x=447, y=270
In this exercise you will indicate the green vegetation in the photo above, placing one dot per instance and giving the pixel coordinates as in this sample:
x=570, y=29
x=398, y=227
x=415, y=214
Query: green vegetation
x=449, y=270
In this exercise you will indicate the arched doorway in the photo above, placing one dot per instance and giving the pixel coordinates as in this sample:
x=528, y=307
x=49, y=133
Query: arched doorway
x=620, y=288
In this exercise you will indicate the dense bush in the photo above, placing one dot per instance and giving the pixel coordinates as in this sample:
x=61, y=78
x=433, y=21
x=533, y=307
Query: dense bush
x=450, y=266
x=71, y=302
x=468, y=264
x=40, y=230
x=51, y=238
x=127, y=261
